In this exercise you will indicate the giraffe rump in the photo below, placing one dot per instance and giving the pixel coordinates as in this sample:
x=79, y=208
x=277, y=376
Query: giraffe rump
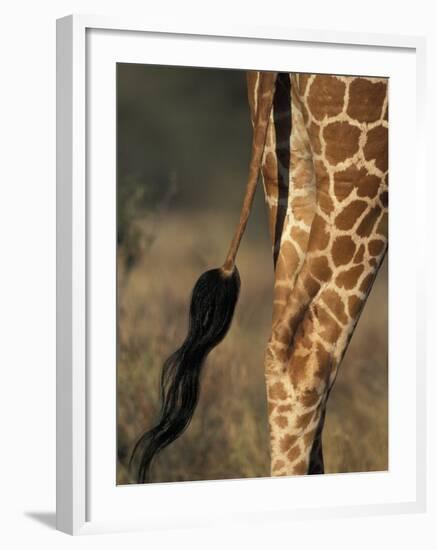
x=213, y=302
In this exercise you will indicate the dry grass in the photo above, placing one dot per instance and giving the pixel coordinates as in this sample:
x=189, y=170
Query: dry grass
x=228, y=437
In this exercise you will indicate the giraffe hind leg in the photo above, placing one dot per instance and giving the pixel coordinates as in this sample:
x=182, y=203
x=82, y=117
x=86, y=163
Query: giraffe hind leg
x=347, y=243
x=289, y=184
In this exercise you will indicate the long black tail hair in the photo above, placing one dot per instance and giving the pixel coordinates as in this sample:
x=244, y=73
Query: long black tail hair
x=213, y=302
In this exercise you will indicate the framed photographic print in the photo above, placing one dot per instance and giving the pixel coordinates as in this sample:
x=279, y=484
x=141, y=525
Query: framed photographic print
x=231, y=277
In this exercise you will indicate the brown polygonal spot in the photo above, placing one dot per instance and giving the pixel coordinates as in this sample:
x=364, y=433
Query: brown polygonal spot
x=293, y=453
x=366, y=282
x=320, y=269
x=369, y=187
x=342, y=141
x=354, y=305
x=287, y=442
x=277, y=391
x=300, y=468
x=343, y=250
x=309, y=397
x=319, y=233
x=326, y=96
x=349, y=215
x=348, y=278
x=303, y=420
x=366, y=100
x=281, y=421
x=376, y=247
x=376, y=147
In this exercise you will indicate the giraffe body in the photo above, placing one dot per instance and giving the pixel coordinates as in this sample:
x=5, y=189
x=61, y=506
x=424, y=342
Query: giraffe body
x=325, y=179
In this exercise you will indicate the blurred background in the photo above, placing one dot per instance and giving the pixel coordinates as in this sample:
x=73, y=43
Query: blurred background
x=183, y=140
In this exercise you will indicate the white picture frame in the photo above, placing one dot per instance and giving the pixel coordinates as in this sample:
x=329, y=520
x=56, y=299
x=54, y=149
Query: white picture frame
x=81, y=485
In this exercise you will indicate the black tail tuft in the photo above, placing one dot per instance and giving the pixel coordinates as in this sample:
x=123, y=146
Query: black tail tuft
x=212, y=307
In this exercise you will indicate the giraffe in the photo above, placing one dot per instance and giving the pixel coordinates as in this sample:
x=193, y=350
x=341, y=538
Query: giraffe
x=321, y=144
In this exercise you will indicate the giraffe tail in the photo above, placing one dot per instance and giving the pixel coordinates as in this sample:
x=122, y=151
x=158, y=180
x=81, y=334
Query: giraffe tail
x=212, y=307
x=213, y=302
